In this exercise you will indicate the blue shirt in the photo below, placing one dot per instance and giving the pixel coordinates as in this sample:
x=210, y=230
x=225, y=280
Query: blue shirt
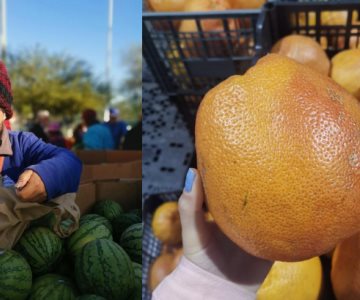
x=98, y=137
x=58, y=168
x=118, y=130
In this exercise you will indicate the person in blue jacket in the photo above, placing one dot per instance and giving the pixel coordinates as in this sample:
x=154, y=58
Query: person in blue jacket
x=118, y=128
x=39, y=171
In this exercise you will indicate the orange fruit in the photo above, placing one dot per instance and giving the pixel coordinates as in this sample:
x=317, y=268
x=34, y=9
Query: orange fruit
x=345, y=70
x=247, y=4
x=207, y=24
x=166, y=224
x=302, y=280
x=329, y=18
x=305, y=50
x=279, y=154
x=167, y=5
x=214, y=36
x=345, y=270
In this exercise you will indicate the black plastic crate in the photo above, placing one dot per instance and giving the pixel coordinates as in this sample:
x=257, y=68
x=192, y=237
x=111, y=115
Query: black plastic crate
x=311, y=18
x=186, y=65
x=151, y=246
x=189, y=63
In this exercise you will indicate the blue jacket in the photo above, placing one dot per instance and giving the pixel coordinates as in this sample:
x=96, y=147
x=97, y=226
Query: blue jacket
x=58, y=168
x=98, y=137
x=118, y=131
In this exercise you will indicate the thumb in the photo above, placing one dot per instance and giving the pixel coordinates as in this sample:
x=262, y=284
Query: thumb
x=195, y=230
x=23, y=179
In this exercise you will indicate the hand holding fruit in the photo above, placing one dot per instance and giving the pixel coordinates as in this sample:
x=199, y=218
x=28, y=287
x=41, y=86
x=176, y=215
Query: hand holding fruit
x=30, y=187
x=207, y=247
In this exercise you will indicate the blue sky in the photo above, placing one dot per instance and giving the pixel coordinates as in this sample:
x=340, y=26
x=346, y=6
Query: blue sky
x=76, y=27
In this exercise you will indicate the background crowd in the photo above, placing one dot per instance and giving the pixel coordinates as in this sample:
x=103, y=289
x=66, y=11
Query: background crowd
x=90, y=133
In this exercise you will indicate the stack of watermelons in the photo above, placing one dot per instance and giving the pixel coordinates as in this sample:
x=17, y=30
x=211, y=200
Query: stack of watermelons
x=101, y=260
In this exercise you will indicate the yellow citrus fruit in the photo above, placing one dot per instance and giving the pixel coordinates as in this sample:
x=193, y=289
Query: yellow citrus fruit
x=345, y=270
x=327, y=18
x=279, y=154
x=304, y=50
x=166, y=224
x=300, y=280
x=345, y=70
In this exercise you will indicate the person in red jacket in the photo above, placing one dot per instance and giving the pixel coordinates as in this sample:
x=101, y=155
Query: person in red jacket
x=39, y=171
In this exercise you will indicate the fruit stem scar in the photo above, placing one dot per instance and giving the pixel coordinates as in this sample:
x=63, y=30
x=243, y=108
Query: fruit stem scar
x=354, y=160
x=334, y=96
x=245, y=200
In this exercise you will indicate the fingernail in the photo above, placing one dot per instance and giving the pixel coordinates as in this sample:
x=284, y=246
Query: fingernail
x=190, y=177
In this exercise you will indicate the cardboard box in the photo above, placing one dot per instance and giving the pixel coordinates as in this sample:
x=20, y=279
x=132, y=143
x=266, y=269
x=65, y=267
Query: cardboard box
x=123, y=156
x=109, y=171
x=117, y=171
x=86, y=197
x=112, y=175
x=90, y=157
x=86, y=174
x=131, y=169
x=127, y=192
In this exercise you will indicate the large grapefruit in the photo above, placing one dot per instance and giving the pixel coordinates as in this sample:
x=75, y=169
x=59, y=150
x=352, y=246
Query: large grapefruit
x=279, y=155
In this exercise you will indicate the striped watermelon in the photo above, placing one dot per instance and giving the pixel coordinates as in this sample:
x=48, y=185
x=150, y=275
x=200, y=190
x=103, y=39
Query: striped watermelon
x=90, y=297
x=138, y=284
x=104, y=268
x=122, y=222
x=108, y=209
x=95, y=217
x=131, y=241
x=15, y=276
x=54, y=287
x=87, y=232
x=41, y=248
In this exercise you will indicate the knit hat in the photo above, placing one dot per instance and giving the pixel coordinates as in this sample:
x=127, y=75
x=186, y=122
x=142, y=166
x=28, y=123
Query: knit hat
x=6, y=98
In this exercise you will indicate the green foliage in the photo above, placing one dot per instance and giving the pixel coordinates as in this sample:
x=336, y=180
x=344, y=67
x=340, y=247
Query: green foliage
x=132, y=85
x=59, y=83
x=130, y=110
